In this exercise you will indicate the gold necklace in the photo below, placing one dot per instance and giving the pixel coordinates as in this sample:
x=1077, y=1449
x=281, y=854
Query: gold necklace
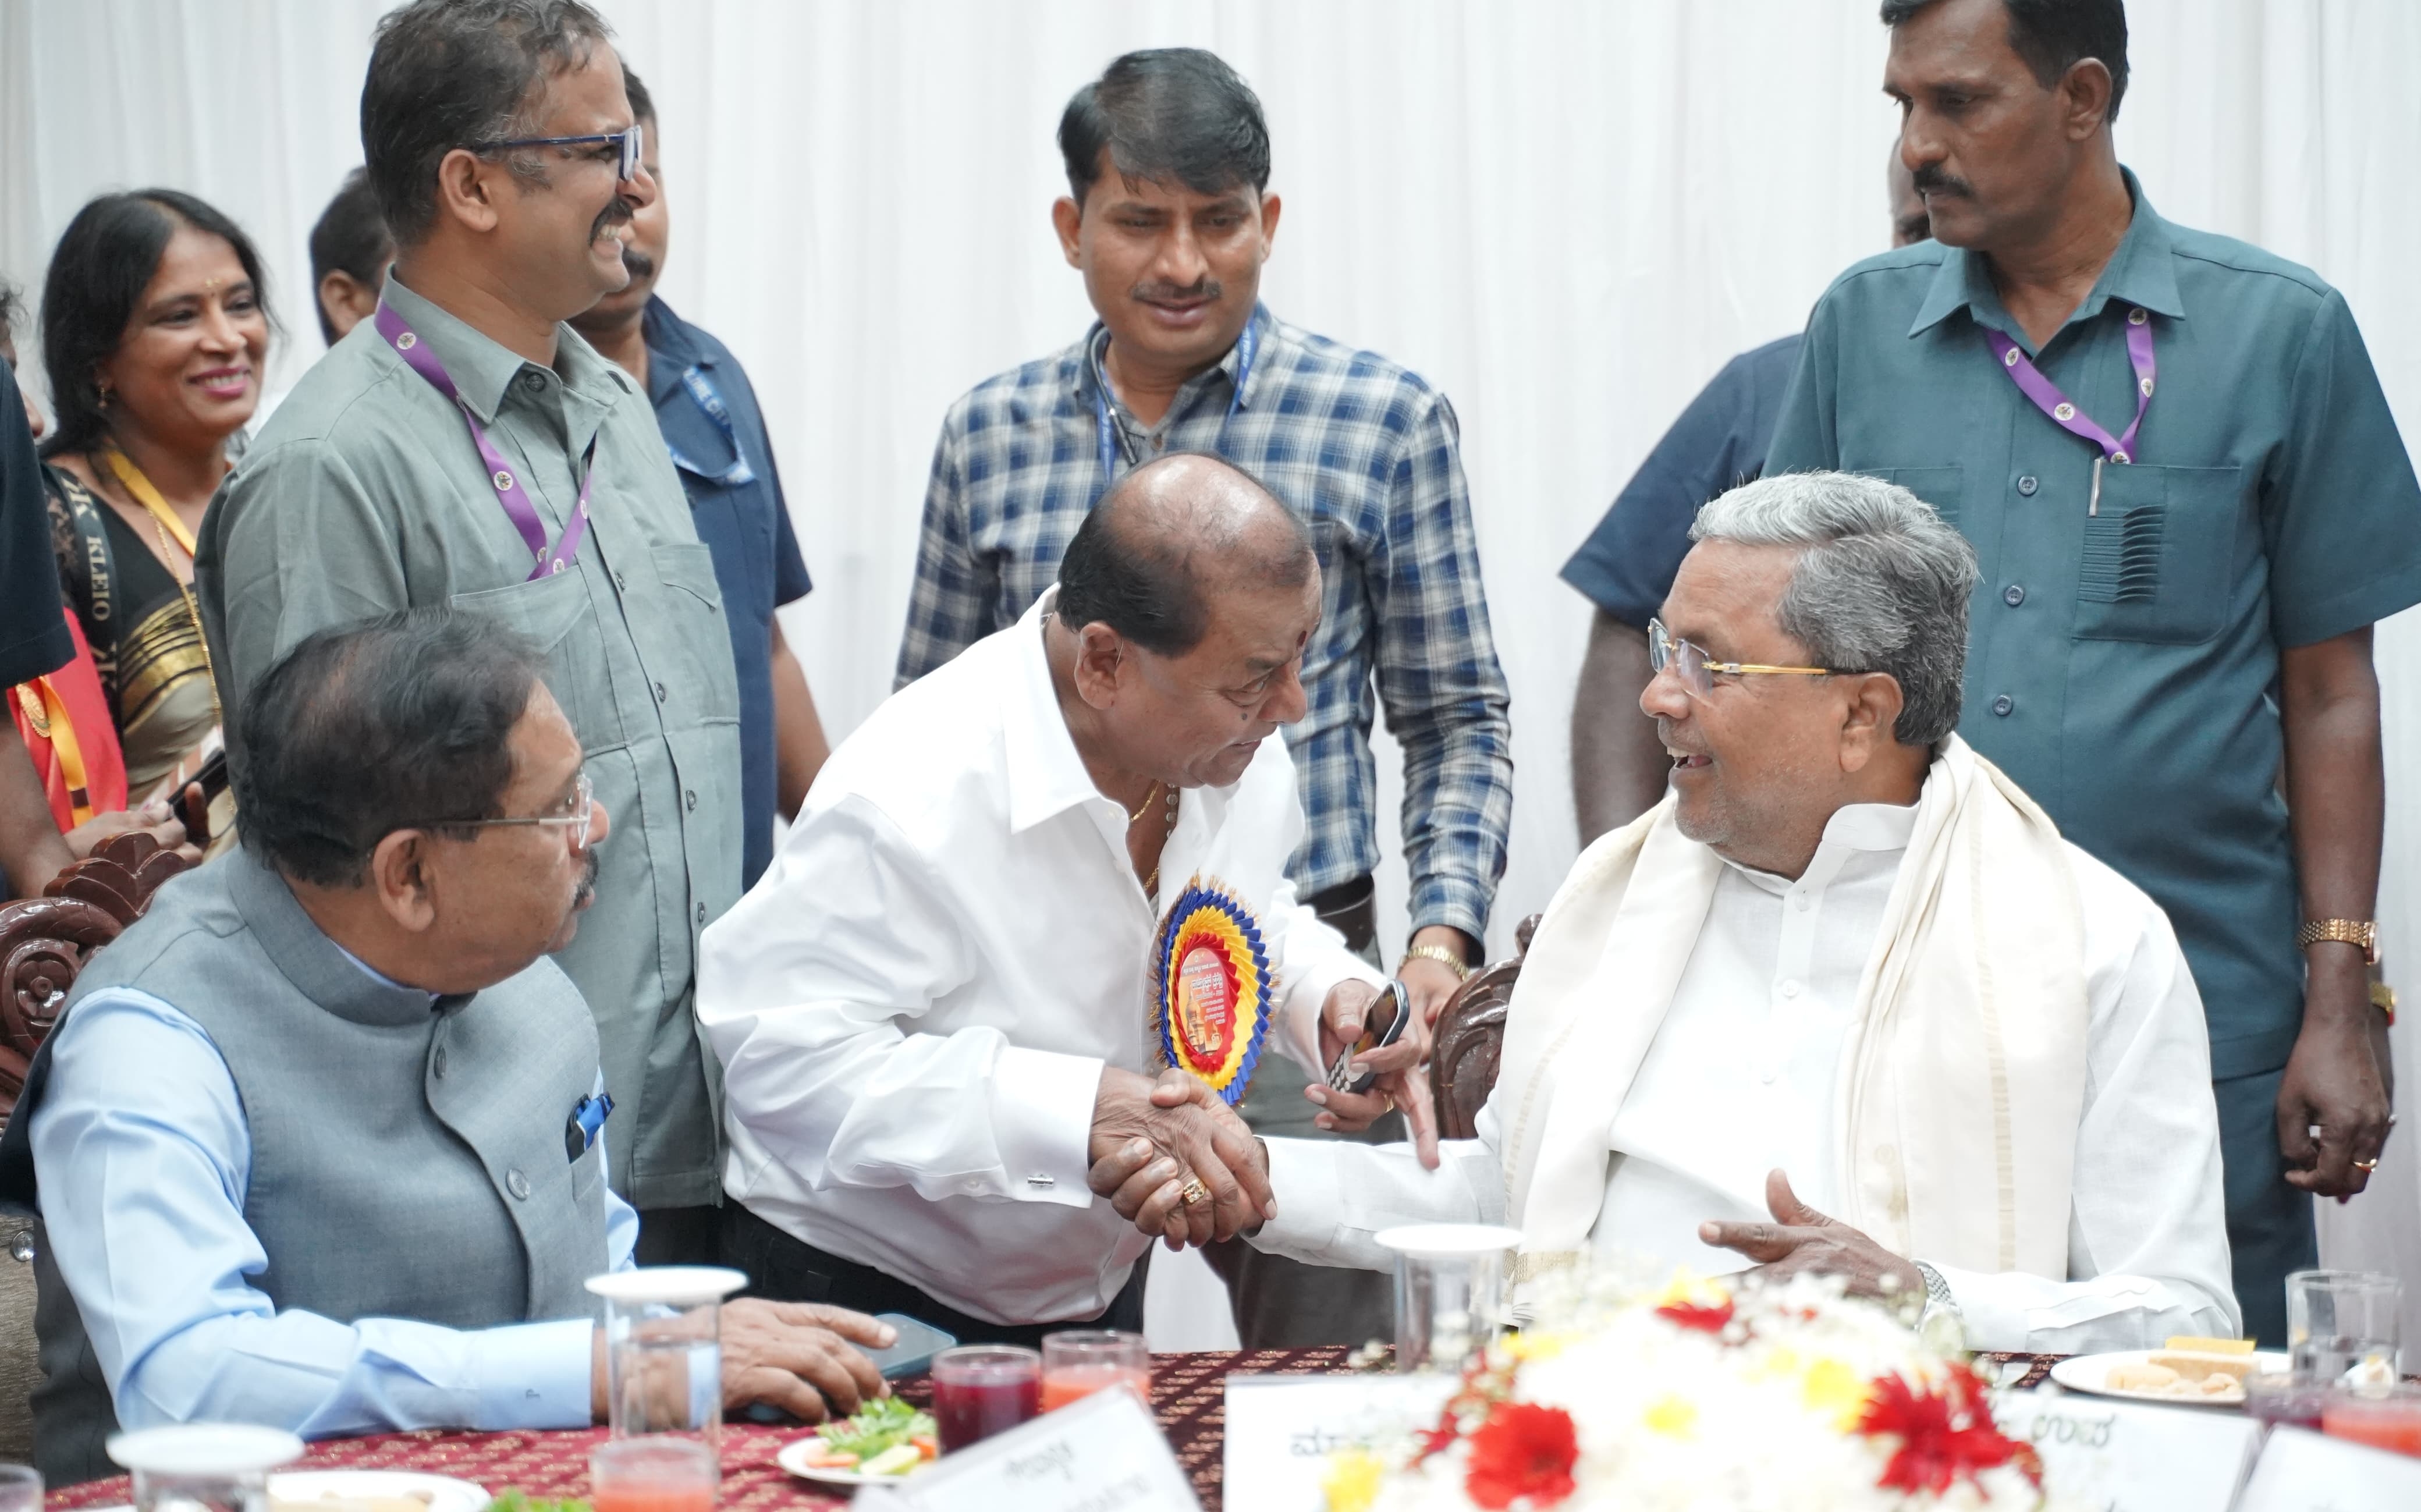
x=1148, y=794
x=165, y=520
x=1169, y=820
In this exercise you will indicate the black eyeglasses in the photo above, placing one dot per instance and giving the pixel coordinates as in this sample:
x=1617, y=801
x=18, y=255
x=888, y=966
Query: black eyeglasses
x=629, y=142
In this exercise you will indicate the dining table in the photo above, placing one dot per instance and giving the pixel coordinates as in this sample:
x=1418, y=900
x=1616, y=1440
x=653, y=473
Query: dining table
x=1188, y=1395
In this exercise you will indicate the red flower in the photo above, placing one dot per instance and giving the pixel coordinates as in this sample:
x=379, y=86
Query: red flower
x=1706, y=1318
x=1945, y=1433
x=1523, y=1452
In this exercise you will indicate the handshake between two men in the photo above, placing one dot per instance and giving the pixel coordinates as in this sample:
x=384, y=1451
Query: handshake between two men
x=1179, y=1163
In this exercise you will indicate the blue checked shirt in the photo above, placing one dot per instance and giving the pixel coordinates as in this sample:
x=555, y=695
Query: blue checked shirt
x=1366, y=452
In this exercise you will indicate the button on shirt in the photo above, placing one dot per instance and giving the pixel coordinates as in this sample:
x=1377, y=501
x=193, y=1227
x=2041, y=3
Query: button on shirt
x=914, y=1006
x=142, y=1116
x=2271, y=503
x=1626, y=567
x=1368, y=454
x=1742, y=1077
x=747, y=528
x=364, y=495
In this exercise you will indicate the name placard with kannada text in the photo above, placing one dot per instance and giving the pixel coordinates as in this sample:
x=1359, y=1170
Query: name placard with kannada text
x=2130, y=1456
x=1104, y=1454
x=1282, y=1430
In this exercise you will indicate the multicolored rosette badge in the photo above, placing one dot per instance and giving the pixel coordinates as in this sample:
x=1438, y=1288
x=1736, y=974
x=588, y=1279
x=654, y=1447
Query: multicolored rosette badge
x=1210, y=987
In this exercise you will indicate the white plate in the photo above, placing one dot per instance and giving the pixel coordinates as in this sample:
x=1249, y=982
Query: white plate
x=2088, y=1373
x=443, y=1493
x=793, y=1458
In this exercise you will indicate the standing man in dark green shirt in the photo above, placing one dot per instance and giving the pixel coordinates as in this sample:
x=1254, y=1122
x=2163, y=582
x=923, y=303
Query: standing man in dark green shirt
x=2191, y=504
x=464, y=446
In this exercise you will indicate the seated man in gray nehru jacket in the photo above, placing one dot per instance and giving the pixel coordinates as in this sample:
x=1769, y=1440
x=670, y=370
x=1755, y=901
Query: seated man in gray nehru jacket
x=324, y=1131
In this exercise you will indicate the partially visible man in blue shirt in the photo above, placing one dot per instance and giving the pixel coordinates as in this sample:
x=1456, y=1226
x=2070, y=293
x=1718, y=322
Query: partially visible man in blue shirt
x=2191, y=504
x=717, y=434
x=1626, y=567
x=323, y=1134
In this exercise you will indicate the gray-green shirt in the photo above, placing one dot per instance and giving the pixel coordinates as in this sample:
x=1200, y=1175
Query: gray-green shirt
x=2121, y=660
x=364, y=495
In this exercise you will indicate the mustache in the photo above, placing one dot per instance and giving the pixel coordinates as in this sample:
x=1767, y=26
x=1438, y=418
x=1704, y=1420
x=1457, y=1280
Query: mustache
x=637, y=263
x=616, y=212
x=1205, y=288
x=583, y=894
x=1930, y=179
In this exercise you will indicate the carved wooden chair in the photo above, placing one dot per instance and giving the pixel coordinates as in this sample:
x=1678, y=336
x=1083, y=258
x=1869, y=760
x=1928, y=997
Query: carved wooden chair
x=45, y=941
x=1470, y=1039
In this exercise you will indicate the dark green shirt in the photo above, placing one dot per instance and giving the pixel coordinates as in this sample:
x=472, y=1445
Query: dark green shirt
x=2121, y=664
x=364, y=495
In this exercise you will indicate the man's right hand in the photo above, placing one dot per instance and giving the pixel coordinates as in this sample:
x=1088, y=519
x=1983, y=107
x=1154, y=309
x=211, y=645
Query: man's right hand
x=801, y=1357
x=155, y=819
x=1200, y=1138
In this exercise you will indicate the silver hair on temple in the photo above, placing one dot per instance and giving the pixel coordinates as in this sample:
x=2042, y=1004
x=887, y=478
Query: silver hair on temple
x=1882, y=585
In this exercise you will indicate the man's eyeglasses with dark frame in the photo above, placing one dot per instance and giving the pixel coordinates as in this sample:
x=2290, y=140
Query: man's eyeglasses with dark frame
x=630, y=143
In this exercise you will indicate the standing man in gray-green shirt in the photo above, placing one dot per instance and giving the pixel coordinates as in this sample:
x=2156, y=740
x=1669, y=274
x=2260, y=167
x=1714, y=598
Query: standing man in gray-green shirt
x=464, y=446
x=2191, y=504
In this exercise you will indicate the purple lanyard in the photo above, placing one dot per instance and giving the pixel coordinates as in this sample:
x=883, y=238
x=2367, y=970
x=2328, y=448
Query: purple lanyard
x=2064, y=413
x=509, y=492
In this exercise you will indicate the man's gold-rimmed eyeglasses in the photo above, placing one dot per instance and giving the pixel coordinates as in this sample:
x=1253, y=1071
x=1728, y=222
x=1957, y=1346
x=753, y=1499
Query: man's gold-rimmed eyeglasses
x=571, y=817
x=1697, y=674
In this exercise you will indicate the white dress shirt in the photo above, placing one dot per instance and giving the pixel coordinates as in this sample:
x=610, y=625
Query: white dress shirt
x=143, y=1118
x=1741, y=1078
x=914, y=1005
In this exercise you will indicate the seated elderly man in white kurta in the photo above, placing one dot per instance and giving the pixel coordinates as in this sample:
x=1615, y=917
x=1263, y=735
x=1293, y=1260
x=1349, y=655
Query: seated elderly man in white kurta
x=1847, y=974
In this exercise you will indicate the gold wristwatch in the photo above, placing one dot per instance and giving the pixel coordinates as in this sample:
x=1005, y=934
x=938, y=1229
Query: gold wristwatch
x=1454, y=963
x=2360, y=932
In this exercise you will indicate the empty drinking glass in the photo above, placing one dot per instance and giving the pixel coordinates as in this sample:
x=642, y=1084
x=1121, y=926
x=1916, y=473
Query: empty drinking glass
x=1451, y=1291
x=20, y=1489
x=2341, y=1323
x=204, y=1466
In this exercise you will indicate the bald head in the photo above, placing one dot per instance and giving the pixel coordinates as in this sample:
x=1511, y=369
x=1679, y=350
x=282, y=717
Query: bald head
x=1168, y=540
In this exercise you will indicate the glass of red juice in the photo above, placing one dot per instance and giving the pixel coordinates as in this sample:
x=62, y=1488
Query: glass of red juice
x=983, y=1389
x=660, y=1473
x=1080, y=1361
x=2384, y=1417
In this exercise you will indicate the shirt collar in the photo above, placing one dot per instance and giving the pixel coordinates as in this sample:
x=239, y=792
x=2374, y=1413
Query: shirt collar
x=673, y=348
x=1875, y=827
x=2143, y=271
x=321, y=969
x=1046, y=776
x=1088, y=377
x=483, y=369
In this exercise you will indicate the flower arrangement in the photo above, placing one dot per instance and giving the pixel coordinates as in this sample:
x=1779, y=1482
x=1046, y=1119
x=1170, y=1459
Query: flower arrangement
x=1790, y=1398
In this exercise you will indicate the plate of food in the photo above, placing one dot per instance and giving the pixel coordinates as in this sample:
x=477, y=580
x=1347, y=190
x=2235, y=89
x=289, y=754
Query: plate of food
x=2170, y=1377
x=373, y=1490
x=882, y=1442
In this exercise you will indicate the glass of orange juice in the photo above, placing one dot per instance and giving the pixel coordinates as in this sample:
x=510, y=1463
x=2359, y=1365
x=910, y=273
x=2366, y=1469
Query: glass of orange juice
x=2384, y=1417
x=1081, y=1362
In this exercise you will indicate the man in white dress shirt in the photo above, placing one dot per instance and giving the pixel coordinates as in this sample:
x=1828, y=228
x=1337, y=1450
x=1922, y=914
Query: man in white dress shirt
x=938, y=1009
x=1847, y=948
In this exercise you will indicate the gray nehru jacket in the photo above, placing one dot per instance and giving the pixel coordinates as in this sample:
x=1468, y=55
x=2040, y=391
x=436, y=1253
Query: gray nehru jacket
x=408, y=1155
x=364, y=495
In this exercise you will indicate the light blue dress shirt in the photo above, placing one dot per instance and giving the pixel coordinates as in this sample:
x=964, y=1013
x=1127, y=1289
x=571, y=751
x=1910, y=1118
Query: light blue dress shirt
x=143, y=1125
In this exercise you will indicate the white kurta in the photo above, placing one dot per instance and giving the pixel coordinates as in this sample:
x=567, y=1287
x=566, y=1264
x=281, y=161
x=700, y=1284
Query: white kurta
x=1742, y=1077
x=913, y=1006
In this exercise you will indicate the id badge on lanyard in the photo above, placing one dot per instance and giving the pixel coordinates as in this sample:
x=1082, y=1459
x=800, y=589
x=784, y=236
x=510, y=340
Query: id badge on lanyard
x=518, y=507
x=702, y=392
x=1106, y=425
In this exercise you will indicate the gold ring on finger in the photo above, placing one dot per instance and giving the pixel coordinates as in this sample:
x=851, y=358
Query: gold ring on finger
x=1194, y=1193
x=2371, y=1164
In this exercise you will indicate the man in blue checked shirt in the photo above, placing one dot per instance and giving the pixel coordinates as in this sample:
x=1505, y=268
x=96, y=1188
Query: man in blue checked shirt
x=1167, y=218
x=712, y=425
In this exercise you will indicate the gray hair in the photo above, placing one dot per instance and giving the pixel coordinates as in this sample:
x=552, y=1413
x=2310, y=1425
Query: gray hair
x=1881, y=585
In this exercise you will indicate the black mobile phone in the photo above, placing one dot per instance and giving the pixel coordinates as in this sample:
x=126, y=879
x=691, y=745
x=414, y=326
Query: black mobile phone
x=1389, y=1015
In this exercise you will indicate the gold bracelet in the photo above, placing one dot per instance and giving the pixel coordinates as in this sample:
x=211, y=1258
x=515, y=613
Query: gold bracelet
x=1461, y=968
x=2359, y=932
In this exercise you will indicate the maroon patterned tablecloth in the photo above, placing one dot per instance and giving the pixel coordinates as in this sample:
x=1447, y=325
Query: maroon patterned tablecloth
x=1188, y=1394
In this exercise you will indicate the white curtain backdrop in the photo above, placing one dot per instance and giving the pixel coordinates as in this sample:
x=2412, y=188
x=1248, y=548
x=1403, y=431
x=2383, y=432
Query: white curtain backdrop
x=1567, y=214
